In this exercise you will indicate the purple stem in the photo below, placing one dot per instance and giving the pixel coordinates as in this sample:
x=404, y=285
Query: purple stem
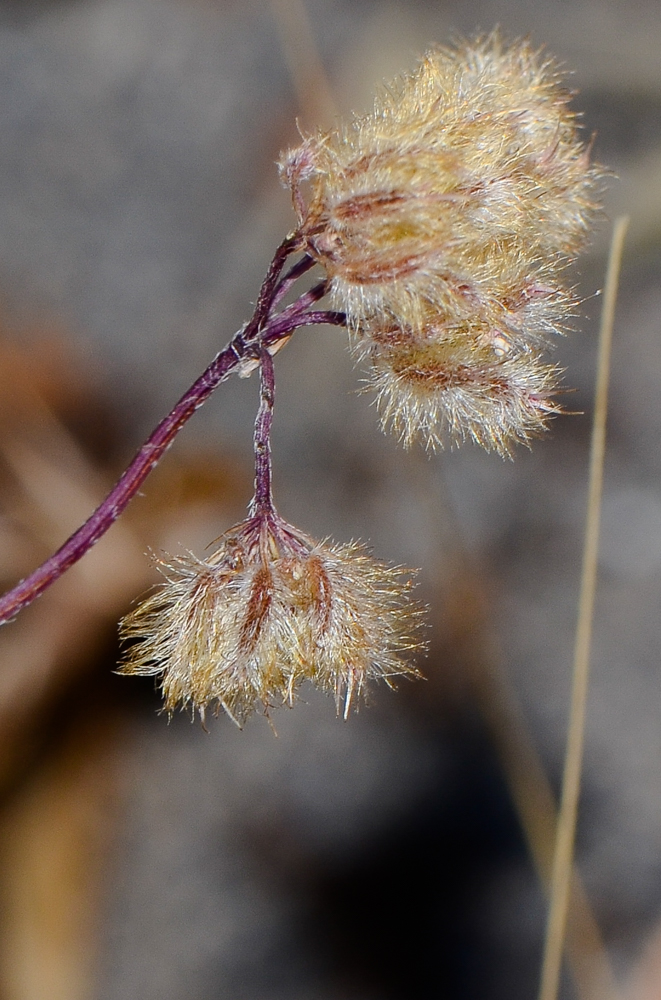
x=270, y=286
x=283, y=319
x=262, y=330
x=262, y=502
x=127, y=486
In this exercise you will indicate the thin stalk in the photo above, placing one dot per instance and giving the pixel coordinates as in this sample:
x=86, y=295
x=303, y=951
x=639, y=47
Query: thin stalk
x=294, y=273
x=263, y=500
x=566, y=831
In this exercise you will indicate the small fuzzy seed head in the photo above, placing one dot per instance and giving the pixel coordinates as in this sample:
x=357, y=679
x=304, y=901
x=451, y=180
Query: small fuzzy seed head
x=267, y=610
x=447, y=216
x=440, y=392
x=440, y=385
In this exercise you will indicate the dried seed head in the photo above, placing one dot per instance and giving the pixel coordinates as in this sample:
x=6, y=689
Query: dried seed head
x=467, y=170
x=446, y=216
x=442, y=384
x=269, y=609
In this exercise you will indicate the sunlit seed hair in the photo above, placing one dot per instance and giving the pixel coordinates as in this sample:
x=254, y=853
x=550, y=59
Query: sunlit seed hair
x=447, y=217
x=267, y=610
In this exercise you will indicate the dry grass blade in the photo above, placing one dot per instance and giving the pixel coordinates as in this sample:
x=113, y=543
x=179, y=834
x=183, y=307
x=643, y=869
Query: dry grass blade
x=461, y=599
x=564, y=848
x=301, y=53
x=56, y=836
x=528, y=784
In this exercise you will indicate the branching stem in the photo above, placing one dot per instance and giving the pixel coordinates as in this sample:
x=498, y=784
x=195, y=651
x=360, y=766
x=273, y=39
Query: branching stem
x=264, y=330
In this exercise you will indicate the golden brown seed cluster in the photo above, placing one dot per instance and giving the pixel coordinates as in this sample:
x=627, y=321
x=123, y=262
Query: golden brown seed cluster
x=444, y=220
x=269, y=609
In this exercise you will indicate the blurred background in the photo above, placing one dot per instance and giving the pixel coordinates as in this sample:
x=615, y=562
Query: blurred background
x=402, y=854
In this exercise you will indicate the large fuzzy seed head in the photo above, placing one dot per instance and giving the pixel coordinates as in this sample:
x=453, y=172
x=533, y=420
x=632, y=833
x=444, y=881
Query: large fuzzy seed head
x=269, y=609
x=445, y=220
x=468, y=170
